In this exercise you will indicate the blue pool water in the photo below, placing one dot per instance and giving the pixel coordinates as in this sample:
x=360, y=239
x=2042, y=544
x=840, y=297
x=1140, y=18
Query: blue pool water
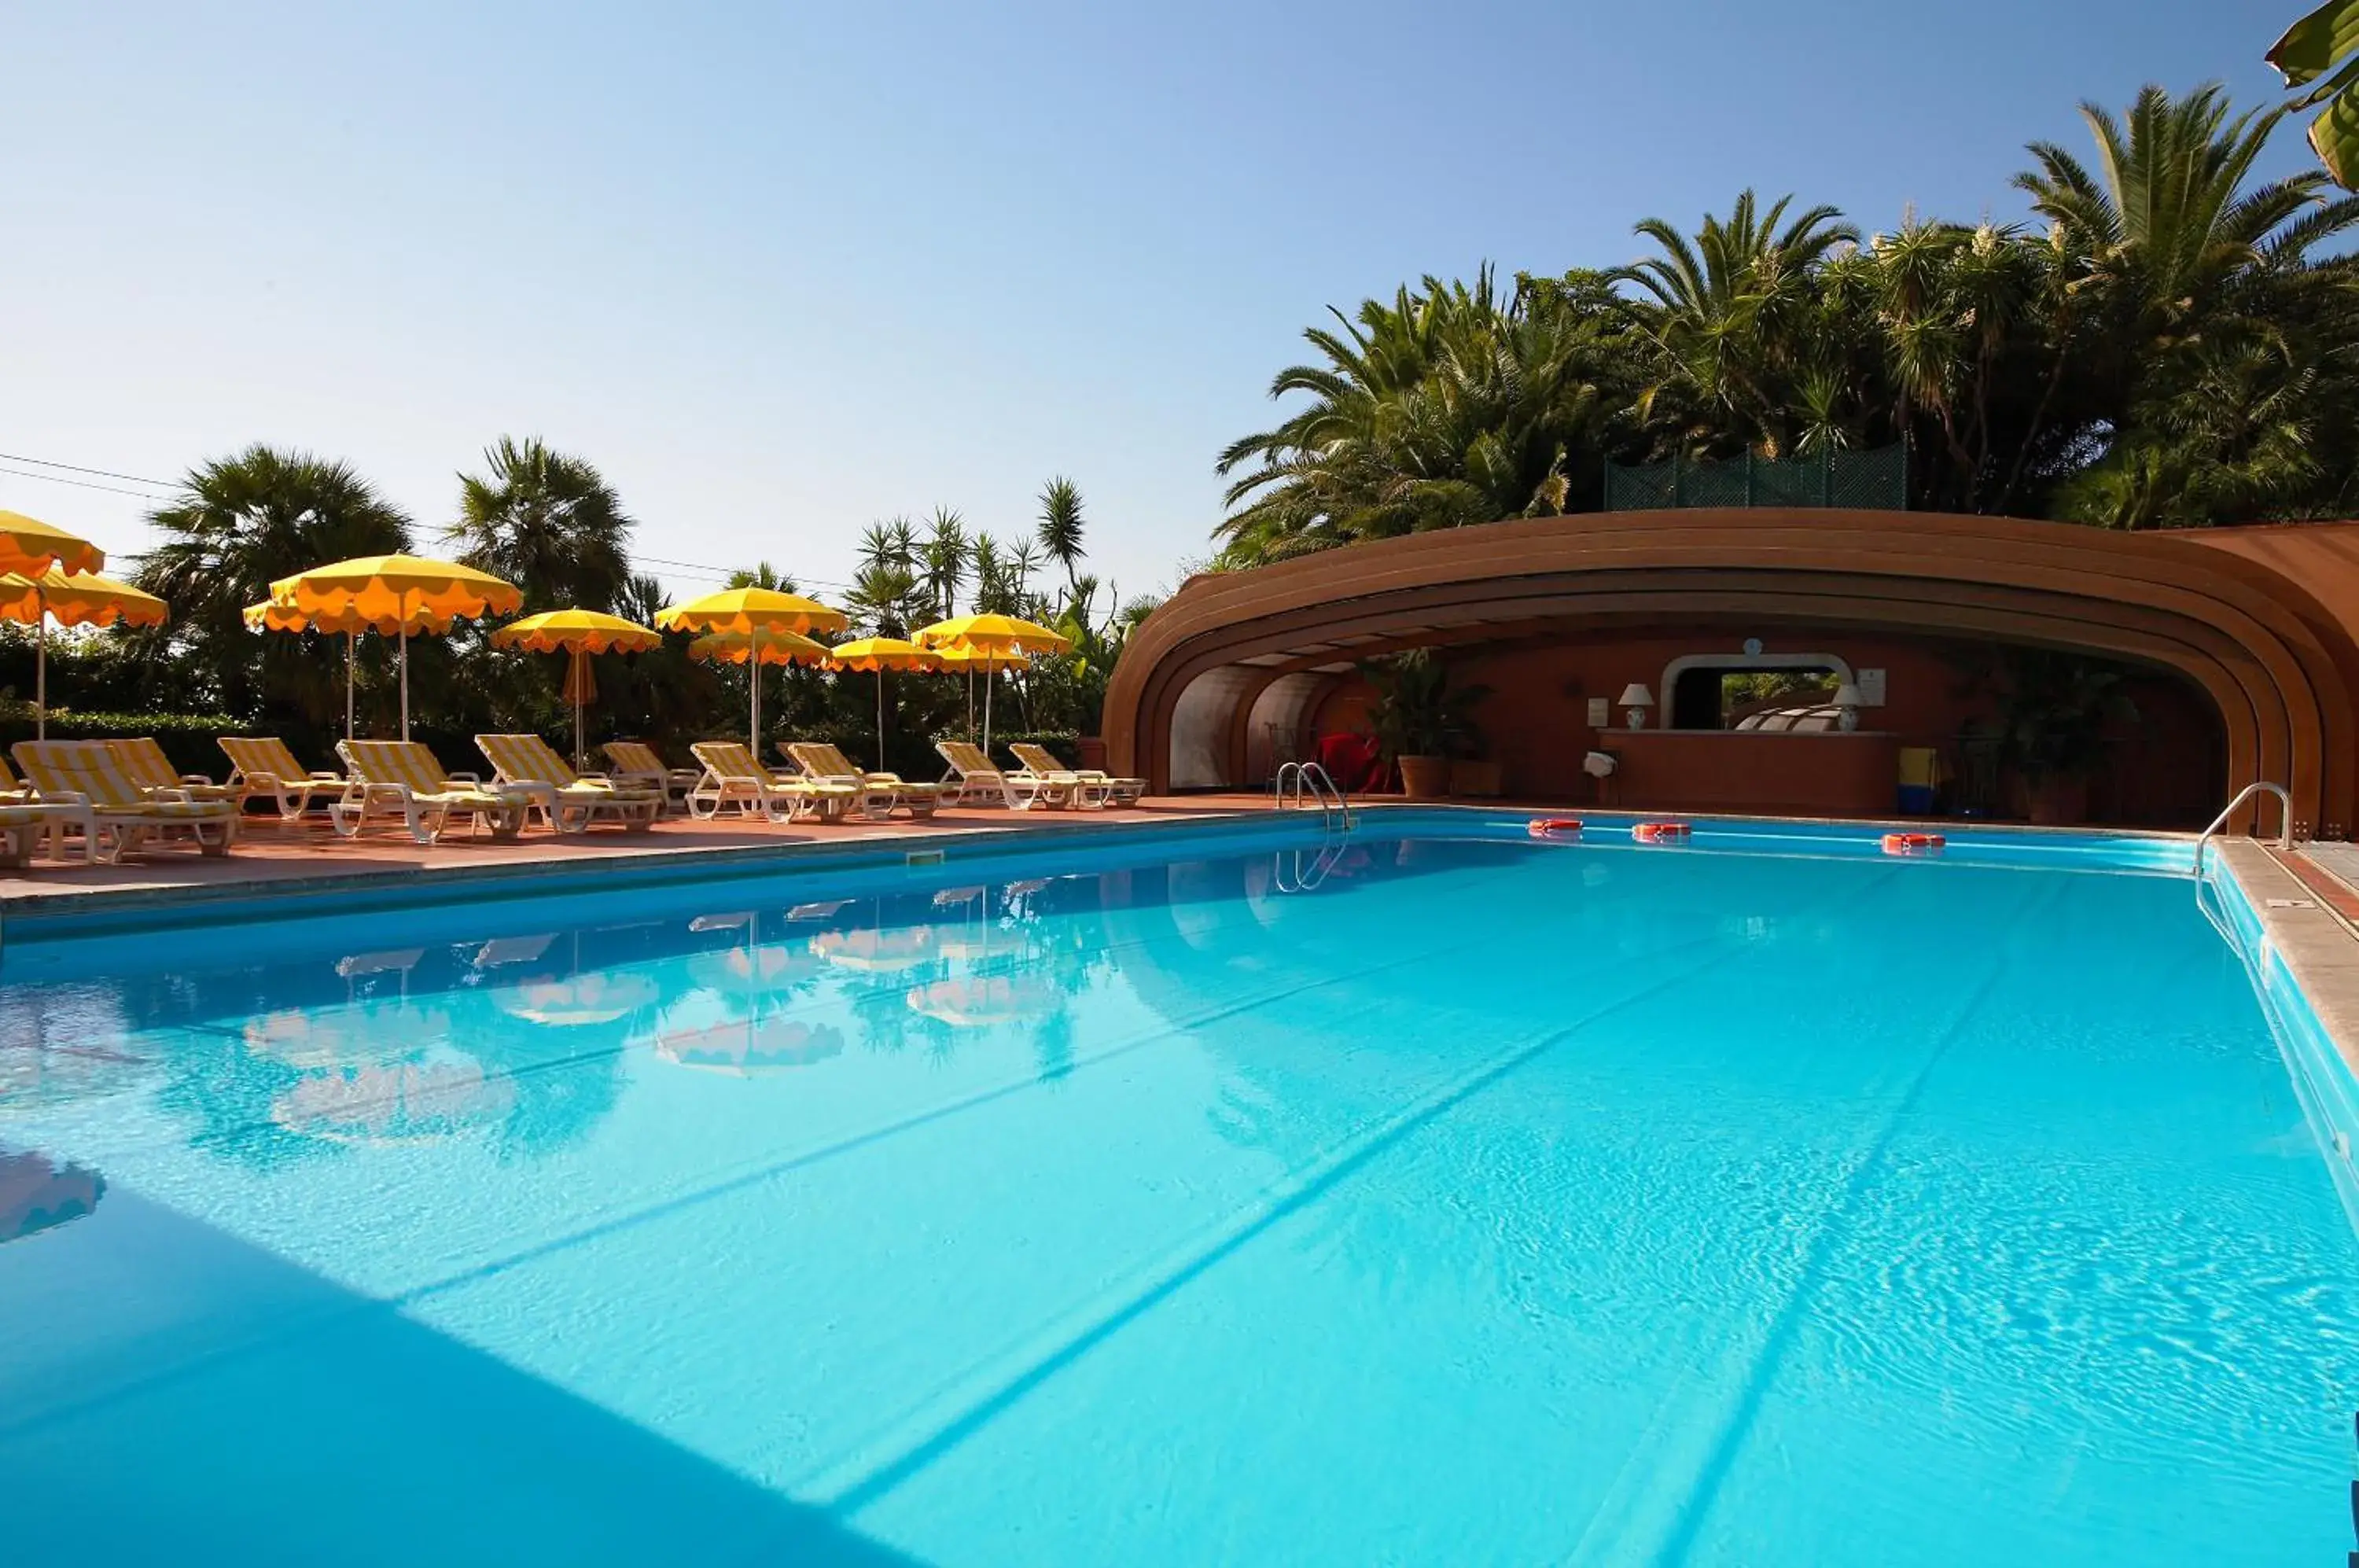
x=1480, y=1202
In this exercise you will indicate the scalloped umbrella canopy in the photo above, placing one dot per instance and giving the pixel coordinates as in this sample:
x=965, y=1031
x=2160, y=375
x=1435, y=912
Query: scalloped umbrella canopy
x=29, y=547
x=752, y=610
x=778, y=646
x=596, y=996
x=881, y=654
x=980, y=1001
x=72, y=599
x=768, y=1045
x=571, y=631
x=578, y=633
x=876, y=951
x=347, y=622
x=398, y=586
x=990, y=634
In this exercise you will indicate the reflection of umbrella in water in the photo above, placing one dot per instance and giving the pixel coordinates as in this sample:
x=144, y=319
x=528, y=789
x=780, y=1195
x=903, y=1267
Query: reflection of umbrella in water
x=352, y=1033
x=978, y=1001
x=767, y=1045
x=35, y=1195
x=411, y=1103
x=593, y=997
x=765, y=964
x=877, y=949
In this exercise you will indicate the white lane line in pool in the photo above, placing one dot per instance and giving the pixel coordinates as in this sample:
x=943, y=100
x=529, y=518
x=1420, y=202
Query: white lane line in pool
x=1665, y=1486
x=281, y=1332
x=971, y=1402
x=724, y=1183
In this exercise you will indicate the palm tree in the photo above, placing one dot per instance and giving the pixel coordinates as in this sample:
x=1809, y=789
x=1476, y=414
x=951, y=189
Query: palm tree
x=2189, y=273
x=1446, y=406
x=883, y=598
x=1732, y=317
x=763, y=575
x=948, y=558
x=548, y=523
x=1062, y=526
x=238, y=523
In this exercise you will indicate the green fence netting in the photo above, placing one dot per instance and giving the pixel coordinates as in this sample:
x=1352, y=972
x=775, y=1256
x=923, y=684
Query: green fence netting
x=1878, y=479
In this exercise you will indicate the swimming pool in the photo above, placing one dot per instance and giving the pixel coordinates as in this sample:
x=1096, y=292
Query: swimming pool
x=1198, y=1198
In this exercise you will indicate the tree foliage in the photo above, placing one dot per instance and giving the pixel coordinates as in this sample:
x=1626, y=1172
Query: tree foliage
x=2174, y=348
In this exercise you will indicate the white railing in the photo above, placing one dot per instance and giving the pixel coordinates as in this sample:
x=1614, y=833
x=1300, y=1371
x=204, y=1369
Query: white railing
x=1300, y=785
x=2258, y=785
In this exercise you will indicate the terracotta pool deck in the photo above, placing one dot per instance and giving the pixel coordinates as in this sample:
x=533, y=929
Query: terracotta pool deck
x=270, y=855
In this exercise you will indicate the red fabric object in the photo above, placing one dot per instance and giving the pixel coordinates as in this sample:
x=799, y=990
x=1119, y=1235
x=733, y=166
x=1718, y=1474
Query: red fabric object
x=1351, y=760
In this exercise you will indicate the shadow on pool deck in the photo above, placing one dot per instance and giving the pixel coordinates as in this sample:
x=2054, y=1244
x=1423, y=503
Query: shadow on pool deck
x=171, y=1394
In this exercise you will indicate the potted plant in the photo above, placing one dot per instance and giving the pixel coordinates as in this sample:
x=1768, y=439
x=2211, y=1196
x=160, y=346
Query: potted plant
x=2052, y=722
x=1421, y=719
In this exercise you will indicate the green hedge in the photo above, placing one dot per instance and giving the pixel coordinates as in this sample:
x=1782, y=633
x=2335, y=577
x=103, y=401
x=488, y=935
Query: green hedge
x=188, y=739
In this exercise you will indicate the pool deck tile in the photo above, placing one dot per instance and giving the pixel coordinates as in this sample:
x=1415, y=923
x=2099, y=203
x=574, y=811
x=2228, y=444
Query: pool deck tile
x=271, y=854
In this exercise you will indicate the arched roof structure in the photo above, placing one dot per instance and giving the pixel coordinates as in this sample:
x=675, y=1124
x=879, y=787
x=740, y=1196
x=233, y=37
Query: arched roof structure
x=2264, y=621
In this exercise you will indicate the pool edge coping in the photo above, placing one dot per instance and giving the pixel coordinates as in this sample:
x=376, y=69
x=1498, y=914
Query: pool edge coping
x=58, y=913
x=2319, y=949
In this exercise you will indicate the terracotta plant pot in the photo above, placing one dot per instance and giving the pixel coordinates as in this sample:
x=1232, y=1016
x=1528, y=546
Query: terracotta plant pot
x=1479, y=779
x=1424, y=777
x=1090, y=752
x=2060, y=803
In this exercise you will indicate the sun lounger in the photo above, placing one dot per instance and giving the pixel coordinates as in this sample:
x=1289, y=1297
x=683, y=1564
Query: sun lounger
x=144, y=763
x=1041, y=763
x=401, y=778
x=734, y=779
x=635, y=762
x=569, y=801
x=54, y=818
x=880, y=792
x=261, y=768
x=118, y=816
x=981, y=780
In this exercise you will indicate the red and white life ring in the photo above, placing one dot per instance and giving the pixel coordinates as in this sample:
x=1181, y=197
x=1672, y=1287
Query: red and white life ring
x=1553, y=827
x=1659, y=832
x=1914, y=843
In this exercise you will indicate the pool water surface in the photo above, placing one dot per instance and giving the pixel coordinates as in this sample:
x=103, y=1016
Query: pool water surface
x=1439, y=1200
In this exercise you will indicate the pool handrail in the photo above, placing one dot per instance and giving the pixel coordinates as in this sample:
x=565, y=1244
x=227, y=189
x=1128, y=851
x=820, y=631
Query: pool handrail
x=2285, y=817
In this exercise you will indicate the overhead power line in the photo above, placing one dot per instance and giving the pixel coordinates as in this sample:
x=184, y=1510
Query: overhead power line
x=77, y=468
x=82, y=484
x=718, y=573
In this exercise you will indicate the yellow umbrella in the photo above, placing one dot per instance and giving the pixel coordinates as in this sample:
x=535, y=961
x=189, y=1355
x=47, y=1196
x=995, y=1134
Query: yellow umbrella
x=752, y=610
x=396, y=587
x=756, y=648
x=881, y=654
x=580, y=633
x=349, y=624
x=992, y=634
x=28, y=549
x=74, y=599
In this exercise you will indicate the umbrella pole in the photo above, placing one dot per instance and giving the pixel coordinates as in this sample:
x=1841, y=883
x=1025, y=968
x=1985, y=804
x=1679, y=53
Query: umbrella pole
x=987, y=684
x=970, y=702
x=41, y=673
x=405, y=682
x=581, y=657
x=351, y=643
x=880, y=718
x=754, y=724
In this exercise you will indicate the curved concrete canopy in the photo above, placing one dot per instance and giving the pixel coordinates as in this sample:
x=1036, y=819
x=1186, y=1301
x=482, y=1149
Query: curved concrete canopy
x=2279, y=661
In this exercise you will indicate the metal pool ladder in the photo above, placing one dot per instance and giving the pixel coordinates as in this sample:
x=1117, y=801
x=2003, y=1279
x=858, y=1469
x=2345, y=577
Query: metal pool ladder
x=1298, y=785
x=2285, y=817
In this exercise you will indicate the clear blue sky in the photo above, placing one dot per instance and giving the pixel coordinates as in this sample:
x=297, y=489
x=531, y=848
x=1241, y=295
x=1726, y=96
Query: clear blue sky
x=782, y=271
